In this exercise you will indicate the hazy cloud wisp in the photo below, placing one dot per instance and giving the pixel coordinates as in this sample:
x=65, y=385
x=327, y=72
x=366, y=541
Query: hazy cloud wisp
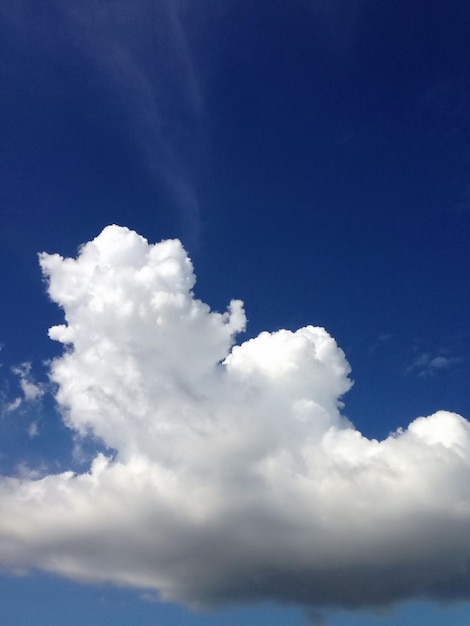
x=138, y=63
x=231, y=473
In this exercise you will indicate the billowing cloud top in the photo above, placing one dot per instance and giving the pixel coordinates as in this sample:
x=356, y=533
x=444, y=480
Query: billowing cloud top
x=231, y=474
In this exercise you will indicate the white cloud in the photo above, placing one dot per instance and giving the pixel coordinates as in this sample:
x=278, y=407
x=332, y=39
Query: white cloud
x=426, y=364
x=31, y=390
x=12, y=405
x=33, y=430
x=231, y=473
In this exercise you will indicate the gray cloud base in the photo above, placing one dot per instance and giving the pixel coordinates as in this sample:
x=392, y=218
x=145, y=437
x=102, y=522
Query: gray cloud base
x=233, y=475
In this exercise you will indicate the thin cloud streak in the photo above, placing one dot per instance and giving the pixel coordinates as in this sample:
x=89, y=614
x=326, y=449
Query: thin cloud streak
x=426, y=364
x=139, y=57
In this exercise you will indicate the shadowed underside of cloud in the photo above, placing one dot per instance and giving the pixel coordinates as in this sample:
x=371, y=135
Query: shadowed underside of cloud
x=232, y=475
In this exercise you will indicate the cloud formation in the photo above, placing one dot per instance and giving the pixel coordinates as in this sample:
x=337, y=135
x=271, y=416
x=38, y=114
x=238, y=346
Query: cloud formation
x=231, y=474
x=138, y=60
x=426, y=364
x=31, y=391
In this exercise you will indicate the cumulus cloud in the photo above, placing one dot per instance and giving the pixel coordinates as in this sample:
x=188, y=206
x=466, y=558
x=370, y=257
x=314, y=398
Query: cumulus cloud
x=230, y=473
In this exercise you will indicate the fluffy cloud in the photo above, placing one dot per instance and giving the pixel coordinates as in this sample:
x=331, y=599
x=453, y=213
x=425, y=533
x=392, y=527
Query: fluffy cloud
x=231, y=474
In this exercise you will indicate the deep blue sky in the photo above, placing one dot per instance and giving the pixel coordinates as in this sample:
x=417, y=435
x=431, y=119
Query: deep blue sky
x=312, y=156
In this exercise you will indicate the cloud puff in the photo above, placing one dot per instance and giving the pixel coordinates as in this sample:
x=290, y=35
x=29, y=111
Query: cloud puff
x=231, y=474
x=31, y=391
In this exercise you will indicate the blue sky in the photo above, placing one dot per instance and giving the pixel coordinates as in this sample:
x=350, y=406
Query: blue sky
x=312, y=157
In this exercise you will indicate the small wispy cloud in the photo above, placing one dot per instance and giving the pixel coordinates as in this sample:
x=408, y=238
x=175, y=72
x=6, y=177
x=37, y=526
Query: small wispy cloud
x=142, y=53
x=31, y=389
x=30, y=392
x=33, y=430
x=427, y=364
x=382, y=341
x=26, y=472
x=140, y=57
x=12, y=405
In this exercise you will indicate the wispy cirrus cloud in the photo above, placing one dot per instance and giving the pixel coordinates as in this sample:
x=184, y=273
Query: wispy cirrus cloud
x=30, y=391
x=139, y=60
x=229, y=473
x=425, y=364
